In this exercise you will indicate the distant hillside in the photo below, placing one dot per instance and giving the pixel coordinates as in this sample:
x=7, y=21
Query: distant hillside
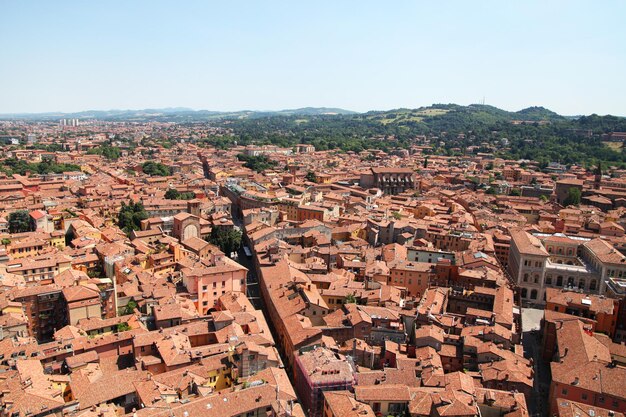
x=538, y=113
x=457, y=129
x=453, y=116
x=177, y=114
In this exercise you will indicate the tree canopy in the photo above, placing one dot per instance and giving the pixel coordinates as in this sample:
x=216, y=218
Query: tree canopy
x=130, y=216
x=108, y=151
x=156, y=169
x=174, y=194
x=257, y=163
x=310, y=176
x=226, y=238
x=18, y=166
x=20, y=222
x=573, y=197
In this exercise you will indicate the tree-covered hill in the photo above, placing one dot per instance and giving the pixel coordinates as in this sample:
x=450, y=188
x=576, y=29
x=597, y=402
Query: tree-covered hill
x=538, y=114
x=533, y=133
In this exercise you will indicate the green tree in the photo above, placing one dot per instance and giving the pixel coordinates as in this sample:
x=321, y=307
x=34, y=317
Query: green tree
x=130, y=216
x=129, y=308
x=350, y=299
x=156, y=169
x=20, y=221
x=310, y=176
x=516, y=192
x=598, y=170
x=226, y=238
x=6, y=241
x=123, y=327
x=258, y=163
x=108, y=151
x=573, y=197
x=172, y=194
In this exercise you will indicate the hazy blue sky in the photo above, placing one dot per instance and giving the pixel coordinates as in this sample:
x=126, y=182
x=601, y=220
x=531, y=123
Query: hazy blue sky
x=569, y=56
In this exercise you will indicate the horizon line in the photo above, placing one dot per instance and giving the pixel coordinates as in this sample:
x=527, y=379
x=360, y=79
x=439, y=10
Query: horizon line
x=191, y=109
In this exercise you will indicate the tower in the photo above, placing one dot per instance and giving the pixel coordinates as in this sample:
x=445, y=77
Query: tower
x=193, y=207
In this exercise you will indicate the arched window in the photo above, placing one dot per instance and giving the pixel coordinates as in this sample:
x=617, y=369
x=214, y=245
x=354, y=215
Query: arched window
x=548, y=279
x=524, y=293
x=581, y=284
x=533, y=294
x=570, y=281
x=592, y=285
x=559, y=281
x=525, y=277
x=536, y=278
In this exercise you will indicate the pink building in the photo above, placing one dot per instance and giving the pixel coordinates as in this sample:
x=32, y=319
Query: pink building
x=210, y=278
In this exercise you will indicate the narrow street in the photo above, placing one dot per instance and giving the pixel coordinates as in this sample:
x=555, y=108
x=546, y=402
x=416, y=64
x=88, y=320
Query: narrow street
x=252, y=283
x=531, y=340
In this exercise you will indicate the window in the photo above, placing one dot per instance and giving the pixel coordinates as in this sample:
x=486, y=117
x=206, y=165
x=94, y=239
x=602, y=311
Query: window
x=564, y=391
x=584, y=396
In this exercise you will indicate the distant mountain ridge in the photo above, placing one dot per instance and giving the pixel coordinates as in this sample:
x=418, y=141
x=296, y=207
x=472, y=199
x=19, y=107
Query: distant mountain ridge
x=176, y=113
x=438, y=113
